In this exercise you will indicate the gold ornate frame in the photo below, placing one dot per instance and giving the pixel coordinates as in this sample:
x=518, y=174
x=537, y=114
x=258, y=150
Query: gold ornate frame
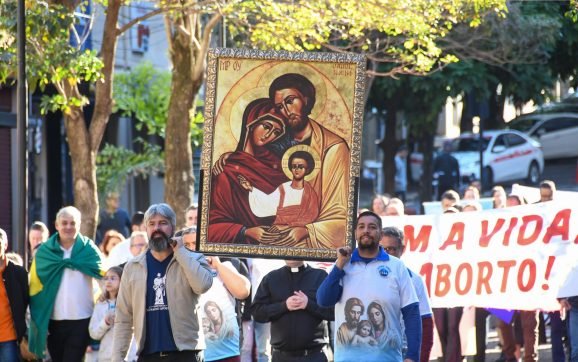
x=348, y=67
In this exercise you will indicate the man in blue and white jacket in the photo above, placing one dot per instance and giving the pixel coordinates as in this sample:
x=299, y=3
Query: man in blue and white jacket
x=382, y=283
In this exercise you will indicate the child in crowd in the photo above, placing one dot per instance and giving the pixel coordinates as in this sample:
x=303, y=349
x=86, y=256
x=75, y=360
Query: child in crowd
x=102, y=321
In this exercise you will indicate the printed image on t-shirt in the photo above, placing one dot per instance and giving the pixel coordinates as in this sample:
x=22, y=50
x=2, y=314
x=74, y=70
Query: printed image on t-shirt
x=219, y=322
x=159, y=336
x=368, y=320
x=367, y=325
x=160, y=293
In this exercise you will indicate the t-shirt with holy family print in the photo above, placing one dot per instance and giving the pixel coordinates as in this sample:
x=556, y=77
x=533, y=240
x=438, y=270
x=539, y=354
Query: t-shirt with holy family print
x=368, y=315
x=219, y=321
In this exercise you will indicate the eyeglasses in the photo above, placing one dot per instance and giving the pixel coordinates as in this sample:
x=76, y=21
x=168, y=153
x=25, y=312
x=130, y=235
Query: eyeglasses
x=390, y=249
x=189, y=230
x=138, y=245
x=111, y=278
x=298, y=167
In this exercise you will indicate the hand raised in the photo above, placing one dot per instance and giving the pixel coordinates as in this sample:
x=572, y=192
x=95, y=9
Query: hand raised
x=213, y=262
x=343, y=256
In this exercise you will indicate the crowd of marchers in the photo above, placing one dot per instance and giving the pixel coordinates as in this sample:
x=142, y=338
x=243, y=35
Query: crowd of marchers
x=142, y=292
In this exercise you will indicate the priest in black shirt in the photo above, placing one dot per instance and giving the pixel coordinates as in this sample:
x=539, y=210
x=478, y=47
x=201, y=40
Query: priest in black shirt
x=286, y=297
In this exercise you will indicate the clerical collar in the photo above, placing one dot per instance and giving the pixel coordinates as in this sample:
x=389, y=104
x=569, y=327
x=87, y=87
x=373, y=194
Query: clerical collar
x=297, y=269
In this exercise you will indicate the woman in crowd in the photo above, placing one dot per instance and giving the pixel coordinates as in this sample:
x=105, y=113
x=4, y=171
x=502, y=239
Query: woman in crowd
x=110, y=240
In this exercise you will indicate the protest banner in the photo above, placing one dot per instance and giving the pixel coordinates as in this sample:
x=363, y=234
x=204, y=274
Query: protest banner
x=532, y=194
x=512, y=258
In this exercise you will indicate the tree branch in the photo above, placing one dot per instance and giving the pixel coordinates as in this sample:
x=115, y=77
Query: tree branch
x=199, y=63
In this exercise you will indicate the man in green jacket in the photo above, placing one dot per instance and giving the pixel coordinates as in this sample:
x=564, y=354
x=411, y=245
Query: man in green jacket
x=159, y=294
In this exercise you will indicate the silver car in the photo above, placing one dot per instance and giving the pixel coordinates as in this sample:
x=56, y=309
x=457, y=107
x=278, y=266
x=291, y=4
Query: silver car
x=556, y=132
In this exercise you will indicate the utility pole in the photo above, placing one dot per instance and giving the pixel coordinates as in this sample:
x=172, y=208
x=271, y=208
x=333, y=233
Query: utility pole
x=21, y=135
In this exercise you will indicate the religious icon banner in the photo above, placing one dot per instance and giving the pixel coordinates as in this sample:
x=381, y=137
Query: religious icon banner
x=281, y=153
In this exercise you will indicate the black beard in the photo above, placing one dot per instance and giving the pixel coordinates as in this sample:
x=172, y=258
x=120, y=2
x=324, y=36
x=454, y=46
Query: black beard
x=297, y=123
x=159, y=241
x=372, y=246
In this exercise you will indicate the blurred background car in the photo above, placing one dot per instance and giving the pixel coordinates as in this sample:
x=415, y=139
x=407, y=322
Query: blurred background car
x=508, y=155
x=556, y=131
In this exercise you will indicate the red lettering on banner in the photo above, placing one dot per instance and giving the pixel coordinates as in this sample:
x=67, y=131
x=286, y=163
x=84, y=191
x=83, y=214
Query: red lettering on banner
x=485, y=238
x=421, y=239
x=456, y=236
x=513, y=223
x=426, y=271
x=485, y=273
x=531, y=266
x=526, y=220
x=506, y=265
x=559, y=226
x=549, y=266
x=443, y=278
x=467, y=268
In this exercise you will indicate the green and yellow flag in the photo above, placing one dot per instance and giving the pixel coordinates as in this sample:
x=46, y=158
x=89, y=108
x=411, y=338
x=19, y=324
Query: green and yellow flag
x=45, y=276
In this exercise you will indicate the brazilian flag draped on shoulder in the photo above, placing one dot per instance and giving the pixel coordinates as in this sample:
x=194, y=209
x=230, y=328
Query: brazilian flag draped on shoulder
x=45, y=276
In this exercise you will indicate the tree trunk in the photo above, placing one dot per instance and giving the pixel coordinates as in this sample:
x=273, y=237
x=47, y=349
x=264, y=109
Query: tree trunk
x=103, y=92
x=84, y=143
x=466, y=118
x=179, y=181
x=426, y=141
x=389, y=146
x=497, y=110
x=83, y=170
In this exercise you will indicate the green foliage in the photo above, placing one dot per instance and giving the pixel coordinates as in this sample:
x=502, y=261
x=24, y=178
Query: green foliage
x=50, y=58
x=116, y=164
x=144, y=93
x=388, y=31
x=197, y=126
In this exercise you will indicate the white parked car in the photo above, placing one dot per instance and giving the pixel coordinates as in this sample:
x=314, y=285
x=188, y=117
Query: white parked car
x=557, y=132
x=508, y=156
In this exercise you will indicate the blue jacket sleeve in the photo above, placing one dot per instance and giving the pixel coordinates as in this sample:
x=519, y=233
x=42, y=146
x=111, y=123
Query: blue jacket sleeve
x=330, y=290
x=412, y=321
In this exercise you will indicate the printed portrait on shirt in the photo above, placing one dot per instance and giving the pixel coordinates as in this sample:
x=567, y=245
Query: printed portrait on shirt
x=281, y=153
x=364, y=327
x=219, y=321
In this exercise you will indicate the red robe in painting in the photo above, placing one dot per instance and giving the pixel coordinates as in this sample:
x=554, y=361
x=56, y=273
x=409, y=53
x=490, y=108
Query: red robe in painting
x=230, y=211
x=298, y=215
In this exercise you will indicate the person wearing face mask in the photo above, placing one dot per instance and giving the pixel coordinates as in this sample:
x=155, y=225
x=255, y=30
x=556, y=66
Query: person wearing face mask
x=159, y=296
